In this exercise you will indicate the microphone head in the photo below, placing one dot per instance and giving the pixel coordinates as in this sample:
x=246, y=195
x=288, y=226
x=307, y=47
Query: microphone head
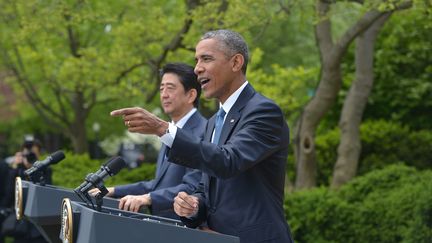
x=114, y=165
x=39, y=165
x=57, y=157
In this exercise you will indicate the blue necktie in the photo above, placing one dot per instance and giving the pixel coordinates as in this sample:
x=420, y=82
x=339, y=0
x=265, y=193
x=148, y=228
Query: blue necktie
x=218, y=125
x=217, y=132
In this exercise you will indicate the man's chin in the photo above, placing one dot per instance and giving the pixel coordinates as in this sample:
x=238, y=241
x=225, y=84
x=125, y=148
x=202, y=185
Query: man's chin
x=208, y=95
x=167, y=111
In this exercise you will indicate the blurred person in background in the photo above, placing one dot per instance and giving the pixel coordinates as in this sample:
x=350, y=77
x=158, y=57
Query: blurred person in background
x=30, y=152
x=23, y=231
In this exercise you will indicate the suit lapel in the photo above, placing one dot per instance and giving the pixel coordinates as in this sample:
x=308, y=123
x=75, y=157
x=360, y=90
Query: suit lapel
x=210, y=128
x=161, y=165
x=235, y=113
x=230, y=121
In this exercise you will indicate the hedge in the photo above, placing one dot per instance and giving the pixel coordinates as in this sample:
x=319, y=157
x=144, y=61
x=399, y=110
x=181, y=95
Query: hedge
x=383, y=143
x=71, y=172
x=387, y=205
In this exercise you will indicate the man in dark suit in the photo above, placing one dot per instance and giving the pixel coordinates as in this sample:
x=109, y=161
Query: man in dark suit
x=179, y=95
x=243, y=154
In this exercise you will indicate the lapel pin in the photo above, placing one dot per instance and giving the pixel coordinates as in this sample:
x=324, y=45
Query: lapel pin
x=232, y=120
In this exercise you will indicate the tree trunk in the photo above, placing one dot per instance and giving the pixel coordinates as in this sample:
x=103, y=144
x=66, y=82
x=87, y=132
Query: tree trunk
x=329, y=85
x=314, y=111
x=330, y=82
x=352, y=112
x=78, y=133
x=79, y=141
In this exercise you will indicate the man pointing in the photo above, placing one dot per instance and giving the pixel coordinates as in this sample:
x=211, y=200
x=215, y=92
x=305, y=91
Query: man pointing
x=243, y=154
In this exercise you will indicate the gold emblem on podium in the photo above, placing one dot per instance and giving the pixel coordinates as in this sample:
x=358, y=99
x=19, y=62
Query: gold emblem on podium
x=18, y=198
x=66, y=231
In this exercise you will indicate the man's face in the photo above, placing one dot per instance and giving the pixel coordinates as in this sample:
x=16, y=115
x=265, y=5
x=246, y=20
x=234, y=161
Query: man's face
x=214, y=70
x=174, y=100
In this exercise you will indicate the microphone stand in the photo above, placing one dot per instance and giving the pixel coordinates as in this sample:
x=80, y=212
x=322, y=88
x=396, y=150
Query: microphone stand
x=85, y=197
x=99, y=196
x=39, y=177
x=83, y=194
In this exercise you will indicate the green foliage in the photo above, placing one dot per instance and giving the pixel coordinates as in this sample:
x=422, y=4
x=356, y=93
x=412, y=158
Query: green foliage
x=71, y=172
x=66, y=49
x=326, y=149
x=288, y=87
x=288, y=37
x=403, y=70
x=103, y=54
x=388, y=205
x=383, y=142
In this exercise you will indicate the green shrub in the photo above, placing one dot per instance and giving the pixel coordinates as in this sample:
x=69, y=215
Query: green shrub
x=326, y=149
x=388, y=205
x=142, y=173
x=383, y=143
x=72, y=171
x=316, y=215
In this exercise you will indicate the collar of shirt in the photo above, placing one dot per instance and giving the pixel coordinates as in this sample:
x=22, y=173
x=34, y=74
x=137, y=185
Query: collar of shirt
x=184, y=119
x=229, y=103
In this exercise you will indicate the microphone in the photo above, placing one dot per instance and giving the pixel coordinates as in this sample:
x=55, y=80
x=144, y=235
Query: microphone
x=110, y=168
x=40, y=165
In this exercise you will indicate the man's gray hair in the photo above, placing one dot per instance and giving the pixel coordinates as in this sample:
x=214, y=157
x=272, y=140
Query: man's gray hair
x=233, y=43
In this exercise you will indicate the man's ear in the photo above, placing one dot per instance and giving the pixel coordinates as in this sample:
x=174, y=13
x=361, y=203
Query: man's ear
x=237, y=62
x=192, y=95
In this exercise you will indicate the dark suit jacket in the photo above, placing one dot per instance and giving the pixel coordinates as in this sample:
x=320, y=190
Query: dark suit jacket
x=170, y=178
x=242, y=189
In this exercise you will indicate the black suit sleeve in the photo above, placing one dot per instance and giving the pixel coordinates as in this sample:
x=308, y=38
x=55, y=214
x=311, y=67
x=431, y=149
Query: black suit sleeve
x=255, y=137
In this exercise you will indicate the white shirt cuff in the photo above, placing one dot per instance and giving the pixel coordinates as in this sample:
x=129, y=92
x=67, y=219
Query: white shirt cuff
x=168, y=138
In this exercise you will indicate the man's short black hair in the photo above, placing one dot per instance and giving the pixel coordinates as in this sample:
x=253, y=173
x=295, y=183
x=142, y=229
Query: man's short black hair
x=232, y=42
x=186, y=75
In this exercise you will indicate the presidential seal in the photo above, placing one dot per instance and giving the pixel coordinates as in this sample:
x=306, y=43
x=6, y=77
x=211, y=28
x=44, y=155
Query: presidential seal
x=18, y=198
x=66, y=231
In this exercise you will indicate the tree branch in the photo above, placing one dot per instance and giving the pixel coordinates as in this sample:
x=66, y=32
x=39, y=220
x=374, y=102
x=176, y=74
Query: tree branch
x=57, y=93
x=361, y=25
x=32, y=94
x=93, y=100
x=285, y=8
x=124, y=73
x=73, y=38
x=323, y=30
x=175, y=43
